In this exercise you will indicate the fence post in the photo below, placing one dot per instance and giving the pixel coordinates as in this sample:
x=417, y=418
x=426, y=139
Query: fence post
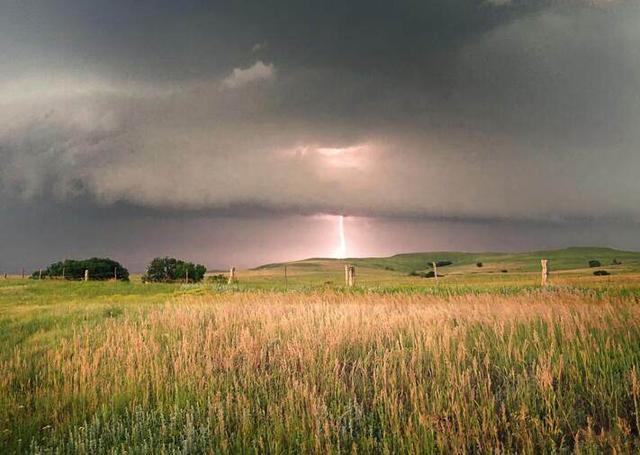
x=545, y=271
x=86, y=274
x=435, y=270
x=186, y=276
x=63, y=273
x=115, y=273
x=23, y=273
x=286, y=281
x=350, y=275
x=232, y=275
x=40, y=274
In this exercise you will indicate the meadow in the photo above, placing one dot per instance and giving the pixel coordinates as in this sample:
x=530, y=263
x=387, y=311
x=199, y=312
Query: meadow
x=475, y=363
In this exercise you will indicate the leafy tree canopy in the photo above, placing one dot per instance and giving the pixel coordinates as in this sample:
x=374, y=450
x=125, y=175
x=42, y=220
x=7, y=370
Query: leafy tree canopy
x=168, y=269
x=72, y=269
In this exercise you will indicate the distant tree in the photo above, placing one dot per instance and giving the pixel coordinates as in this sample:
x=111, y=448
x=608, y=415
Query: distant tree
x=601, y=273
x=615, y=262
x=479, y=264
x=99, y=269
x=594, y=263
x=171, y=269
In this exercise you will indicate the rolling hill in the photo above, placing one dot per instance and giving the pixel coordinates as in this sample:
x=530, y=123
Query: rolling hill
x=562, y=259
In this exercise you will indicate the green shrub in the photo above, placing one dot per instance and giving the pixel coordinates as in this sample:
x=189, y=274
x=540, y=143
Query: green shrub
x=217, y=279
x=594, y=263
x=429, y=274
x=166, y=270
x=601, y=273
x=72, y=269
x=479, y=264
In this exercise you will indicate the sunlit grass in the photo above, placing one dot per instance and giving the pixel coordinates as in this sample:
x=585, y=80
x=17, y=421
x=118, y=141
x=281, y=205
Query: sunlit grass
x=189, y=369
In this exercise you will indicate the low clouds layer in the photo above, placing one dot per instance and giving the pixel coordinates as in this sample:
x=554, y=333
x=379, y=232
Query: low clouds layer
x=255, y=73
x=470, y=109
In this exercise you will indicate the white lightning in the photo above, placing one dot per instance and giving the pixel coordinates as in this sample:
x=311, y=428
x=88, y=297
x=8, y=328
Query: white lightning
x=342, y=249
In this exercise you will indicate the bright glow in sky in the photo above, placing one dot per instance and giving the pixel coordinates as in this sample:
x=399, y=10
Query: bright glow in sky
x=341, y=251
x=344, y=157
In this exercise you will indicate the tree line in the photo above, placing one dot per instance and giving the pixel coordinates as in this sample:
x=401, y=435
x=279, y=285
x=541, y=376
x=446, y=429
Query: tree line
x=159, y=270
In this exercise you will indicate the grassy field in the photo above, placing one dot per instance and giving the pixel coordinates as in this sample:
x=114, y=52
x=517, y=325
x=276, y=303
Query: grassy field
x=569, y=266
x=477, y=362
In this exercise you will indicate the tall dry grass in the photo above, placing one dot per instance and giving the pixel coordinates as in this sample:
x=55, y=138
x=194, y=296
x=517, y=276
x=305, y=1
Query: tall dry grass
x=326, y=372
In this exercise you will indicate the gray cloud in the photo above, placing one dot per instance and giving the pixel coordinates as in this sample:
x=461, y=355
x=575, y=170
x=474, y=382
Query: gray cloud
x=259, y=71
x=523, y=110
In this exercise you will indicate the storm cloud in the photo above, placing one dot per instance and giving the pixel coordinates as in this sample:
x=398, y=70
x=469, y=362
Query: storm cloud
x=473, y=110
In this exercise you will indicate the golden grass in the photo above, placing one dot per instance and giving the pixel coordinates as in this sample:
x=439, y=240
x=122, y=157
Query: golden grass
x=334, y=372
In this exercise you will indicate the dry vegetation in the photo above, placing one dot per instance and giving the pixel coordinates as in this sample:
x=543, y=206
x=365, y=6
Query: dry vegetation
x=334, y=372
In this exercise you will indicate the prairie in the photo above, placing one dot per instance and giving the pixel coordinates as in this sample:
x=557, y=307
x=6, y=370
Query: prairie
x=455, y=367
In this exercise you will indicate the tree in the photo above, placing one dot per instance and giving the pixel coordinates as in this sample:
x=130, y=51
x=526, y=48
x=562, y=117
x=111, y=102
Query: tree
x=99, y=269
x=166, y=270
x=594, y=263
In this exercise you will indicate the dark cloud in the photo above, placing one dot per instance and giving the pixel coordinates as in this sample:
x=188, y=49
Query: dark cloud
x=456, y=109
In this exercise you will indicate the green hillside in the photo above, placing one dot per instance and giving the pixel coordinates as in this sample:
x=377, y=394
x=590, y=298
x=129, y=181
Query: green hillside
x=563, y=259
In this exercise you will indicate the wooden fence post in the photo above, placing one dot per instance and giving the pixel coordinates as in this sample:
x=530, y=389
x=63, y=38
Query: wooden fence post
x=232, y=275
x=23, y=273
x=86, y=274
x=545, y=271
x=186, y=276
x=40, y=274
x=286, y=281
x=435, y=270
x=115, y=273
x=350, y=275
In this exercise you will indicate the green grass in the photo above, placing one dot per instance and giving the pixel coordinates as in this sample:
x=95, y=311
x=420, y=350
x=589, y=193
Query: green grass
x=564, y=259
x=475, y=362
x=500, y=270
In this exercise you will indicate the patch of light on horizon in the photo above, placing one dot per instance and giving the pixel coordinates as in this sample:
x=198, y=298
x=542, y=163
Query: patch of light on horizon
x=341, y=251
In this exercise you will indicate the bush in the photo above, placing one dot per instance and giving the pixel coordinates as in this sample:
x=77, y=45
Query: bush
x=615, y=262
x=167, y=270
x=479, y=264
x=504, y=271
x=594, y=263
x=99, y=269
x=601, y=273
x=429, y=274
x=217, y=279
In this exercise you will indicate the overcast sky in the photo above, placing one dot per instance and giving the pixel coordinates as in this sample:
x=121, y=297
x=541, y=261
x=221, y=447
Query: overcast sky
x=231, y=133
